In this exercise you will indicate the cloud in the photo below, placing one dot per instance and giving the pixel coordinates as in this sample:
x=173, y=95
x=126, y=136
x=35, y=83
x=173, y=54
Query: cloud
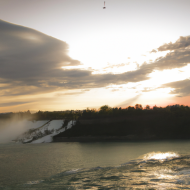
x=148, y=89
x=32, y=63
x=177, y=59
x=26, y=53
x=117, y=66
x=70, y=93
x=179, y=55
x=29, y=57
x=115, y=89
x=12, y=103
x=153, y=51
x=181, y=43
x=181, y=88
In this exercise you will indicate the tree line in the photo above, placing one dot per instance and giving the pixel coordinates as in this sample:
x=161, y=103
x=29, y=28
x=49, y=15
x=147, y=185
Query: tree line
x=17, y=115
x=43, y=115
x=104, y=111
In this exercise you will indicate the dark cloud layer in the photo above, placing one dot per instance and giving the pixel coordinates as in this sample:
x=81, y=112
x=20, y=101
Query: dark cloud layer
x=181, y=43
x=178, y=57
x=181, y=88
x=26, y=53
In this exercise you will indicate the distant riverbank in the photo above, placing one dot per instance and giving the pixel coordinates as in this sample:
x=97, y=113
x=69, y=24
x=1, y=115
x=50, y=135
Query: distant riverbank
x=138, y=128
x=129, y=138
x=102, y=139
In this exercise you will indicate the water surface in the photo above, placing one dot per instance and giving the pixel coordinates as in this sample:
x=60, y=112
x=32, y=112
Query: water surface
x=111, y=165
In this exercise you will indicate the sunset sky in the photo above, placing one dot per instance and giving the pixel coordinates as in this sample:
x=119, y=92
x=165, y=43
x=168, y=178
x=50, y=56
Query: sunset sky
x=73, y=54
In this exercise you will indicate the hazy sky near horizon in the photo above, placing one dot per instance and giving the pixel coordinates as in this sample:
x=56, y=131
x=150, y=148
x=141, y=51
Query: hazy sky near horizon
x=73, y=54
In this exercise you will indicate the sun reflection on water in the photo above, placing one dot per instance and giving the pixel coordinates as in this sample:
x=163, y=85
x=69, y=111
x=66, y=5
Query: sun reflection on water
x=162, y=172
x=160, y=155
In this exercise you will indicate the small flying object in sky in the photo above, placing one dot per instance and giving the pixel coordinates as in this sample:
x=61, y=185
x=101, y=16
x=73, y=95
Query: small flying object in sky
x=104, y=5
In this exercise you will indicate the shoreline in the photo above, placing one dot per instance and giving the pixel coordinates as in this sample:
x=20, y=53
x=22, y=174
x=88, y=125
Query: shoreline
x=112, y=139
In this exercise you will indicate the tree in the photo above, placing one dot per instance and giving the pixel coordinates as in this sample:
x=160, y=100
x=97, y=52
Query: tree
x=155, y=108
x=105, y=110
x=138, y=107
x=147, y=107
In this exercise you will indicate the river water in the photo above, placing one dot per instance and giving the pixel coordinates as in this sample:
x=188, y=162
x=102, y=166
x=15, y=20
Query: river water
x=106, y=165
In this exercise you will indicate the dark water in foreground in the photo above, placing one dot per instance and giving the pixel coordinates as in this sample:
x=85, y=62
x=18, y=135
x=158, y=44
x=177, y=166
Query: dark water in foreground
x=113, y=165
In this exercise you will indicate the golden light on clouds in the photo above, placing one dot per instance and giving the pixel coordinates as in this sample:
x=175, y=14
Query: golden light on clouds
x=127, y=52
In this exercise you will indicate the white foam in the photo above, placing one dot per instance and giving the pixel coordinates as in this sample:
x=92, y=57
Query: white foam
x=13, y=128
x=34, y=182
x=45, y=139
x=24, y=131
x=55, y=125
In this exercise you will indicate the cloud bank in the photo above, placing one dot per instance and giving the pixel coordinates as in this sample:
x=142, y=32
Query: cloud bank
x=182, y=88
x=32, y=63
x=178, y=57
x=181, y=43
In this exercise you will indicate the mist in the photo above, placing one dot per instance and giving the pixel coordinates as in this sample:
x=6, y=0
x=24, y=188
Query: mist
x=11, y=129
